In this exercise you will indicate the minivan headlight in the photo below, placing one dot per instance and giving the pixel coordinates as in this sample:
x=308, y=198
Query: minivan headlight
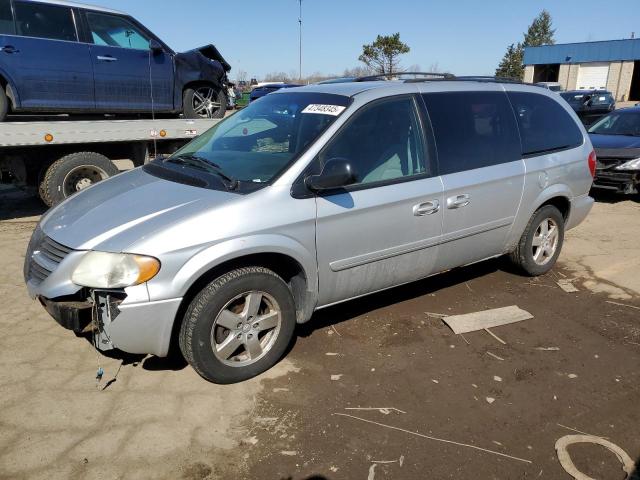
x=114, y=270
x=630, y=165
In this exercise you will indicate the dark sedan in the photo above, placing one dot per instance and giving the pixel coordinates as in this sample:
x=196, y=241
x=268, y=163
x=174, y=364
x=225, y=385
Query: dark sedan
x=616, y=139
x=263, y=90
x=590, y=105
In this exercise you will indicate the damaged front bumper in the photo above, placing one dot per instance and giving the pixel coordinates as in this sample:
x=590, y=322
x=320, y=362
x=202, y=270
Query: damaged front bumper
x=627, y=182
x=143, y=328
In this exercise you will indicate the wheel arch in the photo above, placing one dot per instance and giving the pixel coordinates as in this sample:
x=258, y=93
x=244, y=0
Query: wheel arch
x=558, y=195
x=7, y=85
x=301, y=282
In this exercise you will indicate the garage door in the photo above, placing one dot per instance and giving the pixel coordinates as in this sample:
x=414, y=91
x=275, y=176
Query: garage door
x=593, y=75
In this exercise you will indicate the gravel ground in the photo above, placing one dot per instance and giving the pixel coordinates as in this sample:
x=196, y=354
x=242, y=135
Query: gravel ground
x=369, y=390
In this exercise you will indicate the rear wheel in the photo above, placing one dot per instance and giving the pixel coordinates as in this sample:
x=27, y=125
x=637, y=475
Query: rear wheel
x=541, y=242
x=4, y=105
x=73, y=173
x=204, y=102
x=239, y=325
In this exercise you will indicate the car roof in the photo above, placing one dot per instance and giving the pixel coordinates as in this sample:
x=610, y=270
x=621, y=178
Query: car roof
x=86, y=6
x=347, y=89
x=595, y=90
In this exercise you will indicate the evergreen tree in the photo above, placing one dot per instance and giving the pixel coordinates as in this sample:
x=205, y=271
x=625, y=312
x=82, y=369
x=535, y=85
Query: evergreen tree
x=511, y=64
x=540, y=32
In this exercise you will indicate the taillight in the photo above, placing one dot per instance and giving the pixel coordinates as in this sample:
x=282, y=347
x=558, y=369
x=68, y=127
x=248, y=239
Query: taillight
x=592, y=163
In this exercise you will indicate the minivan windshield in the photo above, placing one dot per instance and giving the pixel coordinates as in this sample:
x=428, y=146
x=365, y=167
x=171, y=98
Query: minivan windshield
x=618, y=123
x=258, y=142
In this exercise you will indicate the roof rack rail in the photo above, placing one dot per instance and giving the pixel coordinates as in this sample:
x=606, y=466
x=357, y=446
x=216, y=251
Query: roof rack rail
x=488, y=78
x=397, y=75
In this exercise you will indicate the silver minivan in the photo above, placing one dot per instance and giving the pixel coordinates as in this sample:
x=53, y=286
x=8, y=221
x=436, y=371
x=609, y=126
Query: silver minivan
x=306, y=198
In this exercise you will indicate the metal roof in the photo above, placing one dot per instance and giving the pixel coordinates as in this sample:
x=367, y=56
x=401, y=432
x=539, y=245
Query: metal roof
x=604, y=51
x=80, y=5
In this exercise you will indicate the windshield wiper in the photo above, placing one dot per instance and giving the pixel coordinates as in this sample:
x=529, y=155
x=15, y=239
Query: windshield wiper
x=206, y=165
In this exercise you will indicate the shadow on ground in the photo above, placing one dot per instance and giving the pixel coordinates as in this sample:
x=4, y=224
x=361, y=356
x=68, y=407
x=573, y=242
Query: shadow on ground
x=354, y=308
x=17, y=204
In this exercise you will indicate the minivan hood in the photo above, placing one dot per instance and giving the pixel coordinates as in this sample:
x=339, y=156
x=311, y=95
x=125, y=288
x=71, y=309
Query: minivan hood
x=123, y=210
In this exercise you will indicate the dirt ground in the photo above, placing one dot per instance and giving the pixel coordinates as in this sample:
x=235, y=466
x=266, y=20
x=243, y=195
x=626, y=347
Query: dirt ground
x=377, y=388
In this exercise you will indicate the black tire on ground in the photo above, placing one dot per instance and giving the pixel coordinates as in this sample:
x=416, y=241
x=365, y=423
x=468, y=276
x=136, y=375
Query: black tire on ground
x=523, y=255
x=4, y=105
x=197, y=329
x=72, y=173
x=218, y=96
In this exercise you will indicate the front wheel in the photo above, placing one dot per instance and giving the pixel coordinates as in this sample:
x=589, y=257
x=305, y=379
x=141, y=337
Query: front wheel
x=541, y=242
x=238, y=326
x=204, y=102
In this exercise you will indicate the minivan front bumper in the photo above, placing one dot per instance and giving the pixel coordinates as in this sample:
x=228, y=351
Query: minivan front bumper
x=143, y=328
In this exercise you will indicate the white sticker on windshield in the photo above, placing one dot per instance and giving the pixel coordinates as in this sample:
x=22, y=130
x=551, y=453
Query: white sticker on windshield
x=334, y=110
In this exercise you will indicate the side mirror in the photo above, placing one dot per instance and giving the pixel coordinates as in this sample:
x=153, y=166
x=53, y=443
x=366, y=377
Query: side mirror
x=155, y=46
x=336, y=173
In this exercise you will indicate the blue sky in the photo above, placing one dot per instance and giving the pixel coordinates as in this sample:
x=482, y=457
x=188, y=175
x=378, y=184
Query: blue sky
x=465, y=37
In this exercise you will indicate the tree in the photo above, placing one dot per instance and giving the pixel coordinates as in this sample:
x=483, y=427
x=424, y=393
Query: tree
x=538, y=33
x=511, y=64
x=383, y=54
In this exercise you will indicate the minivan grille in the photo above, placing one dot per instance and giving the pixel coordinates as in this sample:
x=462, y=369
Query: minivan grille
x=45, y=258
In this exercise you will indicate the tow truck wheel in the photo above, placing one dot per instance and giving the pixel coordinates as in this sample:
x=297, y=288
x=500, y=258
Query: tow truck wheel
x=204, y=101
x=73, y=173
x=4, y=105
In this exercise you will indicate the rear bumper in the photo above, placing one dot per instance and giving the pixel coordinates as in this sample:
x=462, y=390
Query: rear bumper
x=580, y=208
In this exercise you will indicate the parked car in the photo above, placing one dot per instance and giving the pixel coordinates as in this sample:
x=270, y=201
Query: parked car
x=64, y=57
x=590, y=105
x=267, y=88
x=553, y=86
x=616, y=139
x=307, y=198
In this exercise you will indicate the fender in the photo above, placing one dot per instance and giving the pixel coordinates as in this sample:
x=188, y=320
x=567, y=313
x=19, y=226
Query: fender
x=236, y=248
x=529, y=207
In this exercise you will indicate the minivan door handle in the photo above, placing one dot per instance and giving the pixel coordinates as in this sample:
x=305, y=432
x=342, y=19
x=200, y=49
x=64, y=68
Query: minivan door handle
x=426, y=208
x=106, y=58
x=458, y=201
x=9, y=49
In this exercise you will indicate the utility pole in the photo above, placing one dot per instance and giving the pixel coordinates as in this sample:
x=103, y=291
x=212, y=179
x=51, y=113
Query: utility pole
x=300, y=38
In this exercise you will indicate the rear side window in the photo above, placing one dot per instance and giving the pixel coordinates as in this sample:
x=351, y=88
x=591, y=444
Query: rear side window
x=45, y=21
x=544, y=125
x=472, y=130
x=6, y=18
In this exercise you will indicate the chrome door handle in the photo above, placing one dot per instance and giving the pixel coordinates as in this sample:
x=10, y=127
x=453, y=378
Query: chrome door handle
x=458, y=201
x=426, y=208
x=106, y=58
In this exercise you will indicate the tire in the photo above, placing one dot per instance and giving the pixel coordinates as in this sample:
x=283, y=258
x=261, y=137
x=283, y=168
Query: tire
x=538, y=260
x=216, y=102
x=202, y=331
x=73, y=173
x=4, y=105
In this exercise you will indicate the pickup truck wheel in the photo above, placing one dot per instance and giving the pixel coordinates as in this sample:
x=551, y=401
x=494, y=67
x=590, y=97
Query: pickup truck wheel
x=238, y=326
x=4, y=105
x=541, y=242
x=204, y=102
x=73, y=173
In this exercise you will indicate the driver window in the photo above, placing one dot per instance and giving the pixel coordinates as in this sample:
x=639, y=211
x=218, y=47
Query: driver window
x=382, y=142
x=113, y=31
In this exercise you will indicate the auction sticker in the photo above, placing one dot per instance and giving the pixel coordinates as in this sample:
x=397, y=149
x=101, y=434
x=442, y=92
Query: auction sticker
x=334, y=110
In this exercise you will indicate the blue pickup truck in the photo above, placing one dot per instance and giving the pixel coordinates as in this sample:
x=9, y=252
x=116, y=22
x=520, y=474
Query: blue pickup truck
x=63, y=57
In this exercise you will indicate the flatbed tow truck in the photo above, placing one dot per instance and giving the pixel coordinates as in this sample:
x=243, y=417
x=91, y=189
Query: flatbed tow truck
x=61, y=157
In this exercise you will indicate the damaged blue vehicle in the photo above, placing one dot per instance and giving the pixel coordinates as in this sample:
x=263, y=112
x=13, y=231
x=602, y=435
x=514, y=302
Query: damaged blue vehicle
x=63, y=57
